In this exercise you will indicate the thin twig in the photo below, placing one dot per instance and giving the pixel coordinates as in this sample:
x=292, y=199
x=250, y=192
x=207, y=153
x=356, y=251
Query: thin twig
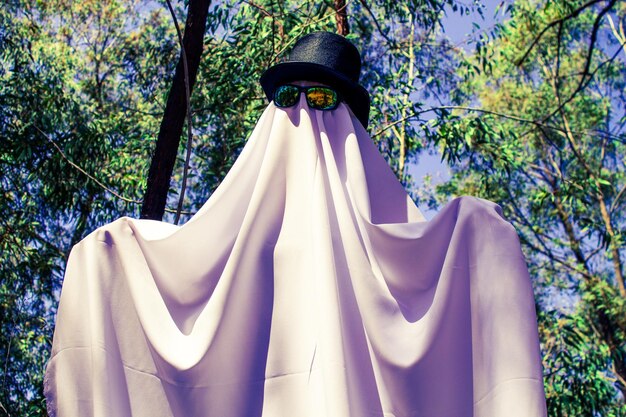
x=586, y=76
x=617, y=198
x=593, y=39
x=4, y=409
x=303, y=29
x=189, y=127
x=262, y=9
x=91, y=177
x=618, y=32
x=541, y=124
x=580, y=88
x=380, y=29
x=281, y=29
x=524, y=220
x=98, y=182
x=473, y=109
x=556, y=259
x=550, y=25
x=6, y=370
x=557, y=79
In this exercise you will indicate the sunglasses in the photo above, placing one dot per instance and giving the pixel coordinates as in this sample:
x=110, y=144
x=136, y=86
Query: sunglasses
x=317, y=97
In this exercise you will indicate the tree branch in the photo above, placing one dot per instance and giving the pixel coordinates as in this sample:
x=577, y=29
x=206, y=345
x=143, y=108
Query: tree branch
x=552, y=24
x=540, y=124
x=556, y=259
x=618, y=32
x=174, y=115
x=526, y=222
x=617, y=198
x=260, y=8
x=557, y=78
x=574, y=242
x=604, y=210
x=343, y=28
x=392, y=43
x=472, y=109
x=593, y=39
x=97, y=181
x=81, y=170
x=584, y=82
x=183, y=187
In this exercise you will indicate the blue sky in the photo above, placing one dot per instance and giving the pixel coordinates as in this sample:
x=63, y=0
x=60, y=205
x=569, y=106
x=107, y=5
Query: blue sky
x=461, y=31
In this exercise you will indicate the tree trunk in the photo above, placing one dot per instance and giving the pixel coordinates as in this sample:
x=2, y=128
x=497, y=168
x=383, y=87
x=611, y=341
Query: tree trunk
x=171, y=129
x=342, y=17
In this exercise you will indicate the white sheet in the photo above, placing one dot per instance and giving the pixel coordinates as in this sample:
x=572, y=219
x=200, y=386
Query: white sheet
x=308, y=285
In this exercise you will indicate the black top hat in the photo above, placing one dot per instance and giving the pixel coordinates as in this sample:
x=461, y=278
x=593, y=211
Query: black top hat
x=327, y=58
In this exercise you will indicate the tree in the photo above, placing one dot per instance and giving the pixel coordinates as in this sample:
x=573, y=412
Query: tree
x=174, y=115
x=68, y=73
x=539, y=128
x=403, y=62
x=83, y=91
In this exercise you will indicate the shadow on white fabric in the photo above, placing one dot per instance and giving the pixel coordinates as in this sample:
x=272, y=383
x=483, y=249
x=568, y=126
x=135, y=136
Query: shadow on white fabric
x=309, y=284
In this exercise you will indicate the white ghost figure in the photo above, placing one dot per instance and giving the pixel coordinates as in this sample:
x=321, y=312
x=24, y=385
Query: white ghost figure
x=308, y=285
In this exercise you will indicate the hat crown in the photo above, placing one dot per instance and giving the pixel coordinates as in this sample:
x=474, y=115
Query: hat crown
x=330, y=50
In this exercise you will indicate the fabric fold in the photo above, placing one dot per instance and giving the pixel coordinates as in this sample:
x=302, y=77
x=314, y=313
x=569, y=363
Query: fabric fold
x=309, y=284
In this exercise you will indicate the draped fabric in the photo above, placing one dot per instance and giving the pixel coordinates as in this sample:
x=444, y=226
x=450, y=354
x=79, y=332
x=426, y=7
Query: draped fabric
x=308, y=285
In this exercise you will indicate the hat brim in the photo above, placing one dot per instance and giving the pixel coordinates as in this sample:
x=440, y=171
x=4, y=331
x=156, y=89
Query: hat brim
x=354, y=94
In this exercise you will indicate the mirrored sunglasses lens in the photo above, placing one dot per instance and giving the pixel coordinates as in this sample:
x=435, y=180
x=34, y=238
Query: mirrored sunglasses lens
x=321, y=98
x=286, y=96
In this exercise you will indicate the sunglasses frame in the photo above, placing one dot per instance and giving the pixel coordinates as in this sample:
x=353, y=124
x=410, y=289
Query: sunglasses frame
x=305, y=90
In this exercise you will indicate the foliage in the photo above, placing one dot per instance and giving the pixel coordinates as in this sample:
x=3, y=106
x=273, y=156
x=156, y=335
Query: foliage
x=82, y=90
x=534, y=126
x=539, y=128
x=66, y=77
x=403, y=58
